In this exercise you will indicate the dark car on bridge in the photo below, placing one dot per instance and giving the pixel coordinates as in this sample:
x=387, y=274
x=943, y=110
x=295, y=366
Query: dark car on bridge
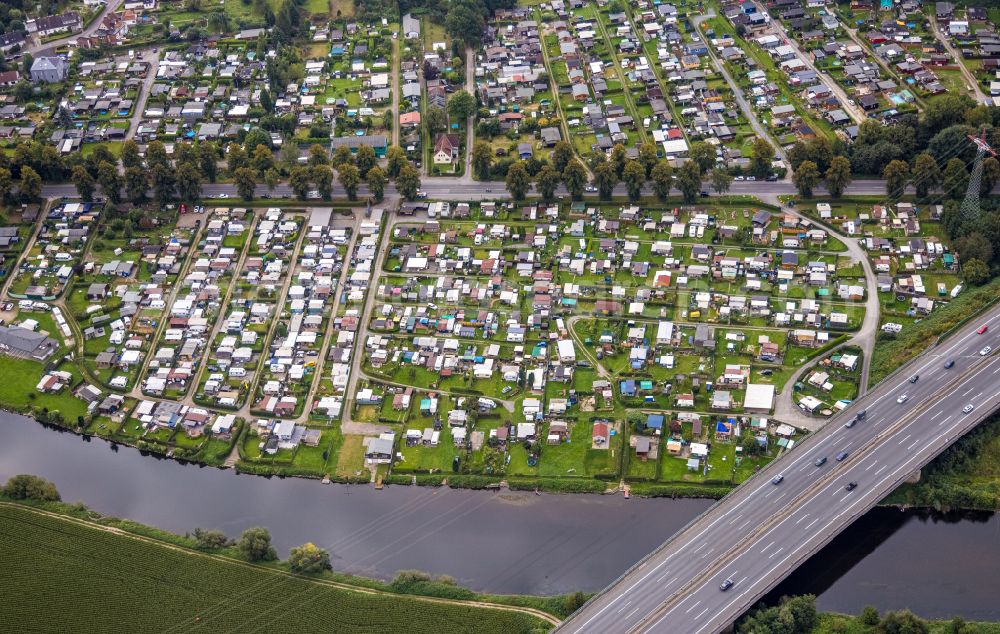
x=725, y=585
x=777, y=479
x=820, y=461
x=948, y=364
x=851, y=486
x=841, y=456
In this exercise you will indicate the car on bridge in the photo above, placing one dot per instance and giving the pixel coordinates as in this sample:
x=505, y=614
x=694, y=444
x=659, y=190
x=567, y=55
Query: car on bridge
x=968, y=408
x=851, y=486
x=777, y=479
x=983, y=329
x=902, y=398
x=851, y=423
x=725, y=585
x=985, y=351
x=914, y=378
x=841, y=456
x=820, y=461
x=949, y=364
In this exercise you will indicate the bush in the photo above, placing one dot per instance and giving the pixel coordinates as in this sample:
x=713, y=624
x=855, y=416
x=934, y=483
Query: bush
x=255, y=545
x=562, y=485
x=31, y=487
x=309, y=559
x=471, y=482
x=210, y=539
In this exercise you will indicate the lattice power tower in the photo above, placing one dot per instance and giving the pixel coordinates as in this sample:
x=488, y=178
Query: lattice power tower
x=970, y=206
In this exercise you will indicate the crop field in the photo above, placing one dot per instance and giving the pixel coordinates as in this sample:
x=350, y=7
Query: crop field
x=62, y=576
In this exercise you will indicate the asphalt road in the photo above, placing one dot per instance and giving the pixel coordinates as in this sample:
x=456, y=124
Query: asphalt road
x=447, y=188
x=762, y=531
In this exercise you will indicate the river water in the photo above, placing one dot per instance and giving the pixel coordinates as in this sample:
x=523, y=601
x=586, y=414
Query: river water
x=504, y=542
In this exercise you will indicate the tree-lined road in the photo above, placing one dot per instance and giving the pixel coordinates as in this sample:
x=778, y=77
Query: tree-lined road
x=762, y=531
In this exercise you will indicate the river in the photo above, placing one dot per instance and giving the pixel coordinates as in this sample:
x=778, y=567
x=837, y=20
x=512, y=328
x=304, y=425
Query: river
x=504, y=542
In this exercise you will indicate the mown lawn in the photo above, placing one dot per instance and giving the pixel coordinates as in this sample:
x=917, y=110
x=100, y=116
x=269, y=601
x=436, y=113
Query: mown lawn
x=17, y=390
x=121, y=584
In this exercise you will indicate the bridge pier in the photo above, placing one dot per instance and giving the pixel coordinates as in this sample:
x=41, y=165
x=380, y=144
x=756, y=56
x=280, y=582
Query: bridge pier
x=914, y=477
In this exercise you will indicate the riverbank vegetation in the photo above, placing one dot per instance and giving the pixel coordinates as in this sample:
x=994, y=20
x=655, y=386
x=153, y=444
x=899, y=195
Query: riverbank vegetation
x=200, y=579
x=799, y=615
x=891, y=351
x=964, y=476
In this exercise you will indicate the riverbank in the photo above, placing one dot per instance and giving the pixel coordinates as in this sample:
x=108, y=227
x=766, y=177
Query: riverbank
x=108, y=562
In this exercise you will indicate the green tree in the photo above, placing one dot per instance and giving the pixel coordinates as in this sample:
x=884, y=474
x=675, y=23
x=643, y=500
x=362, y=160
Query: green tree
x=648, y=158
x=663, y=179
x=342, y=156
x=462, y=105
x=546, y=181
x=689, y=181
x=308, y=559
x=976, y=272
x=84, y=182
x=806, y=178
x=130, y=154
x=518, y=180
x=299, y=181
x=156, y=154
x=562, y=155
x=110, y=181
x=30, y=487
x=926, y=175
x=318, y=155
x=208, y=160
x=703, y=154
x=349, y=178
x=974, y=245
x=271, y=178
x=575, y=178
x=618, y=156
x=408, y=181
x=236, y=157
x=396, y=159
x=869, y=616
x=136, y=184
x=720, y=180
x=634, y=177
x=255, y=137
x=210, y=539
x=902, y=622
x=838, y=176
x=605, y=178
x=245, y=180
x=255, y=545
x=30, y=186
x=896, y=175
x=991, y=174
x=465, y=21
x=482, y=158
x=375, y=178
x=365, y=159
x=188, y=182
x=262, y=159
x=955, y=179
x=435, y=120
x=761, y=157
x=6, y=181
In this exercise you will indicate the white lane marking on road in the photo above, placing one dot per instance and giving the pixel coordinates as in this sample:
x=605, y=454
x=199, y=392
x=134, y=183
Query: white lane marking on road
x=706, y=553
x=778, y=499
x=696, y=604
x=698, y=549
x=764, y=549
x=904, y=439
x=946, y=420
x=809, y=525
x=660, y=578
x=744, y=525
x=776, y=552
x=733, y=521
x=700, y=614
x=802, y=518
x=769, y=493
x=881, y=470
x=627, y=603
x=874, y=462
x=967, y=391
x=634, y=610
x=977, y=396
x=915, y=443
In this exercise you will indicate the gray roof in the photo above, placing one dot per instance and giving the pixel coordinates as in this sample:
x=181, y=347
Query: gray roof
x=22, y=342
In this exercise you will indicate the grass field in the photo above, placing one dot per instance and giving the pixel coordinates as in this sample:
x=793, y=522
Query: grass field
x=61, y=575
x=17, y=390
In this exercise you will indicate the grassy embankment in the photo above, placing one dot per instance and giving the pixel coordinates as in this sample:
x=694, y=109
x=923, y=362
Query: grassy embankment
x=63, y=573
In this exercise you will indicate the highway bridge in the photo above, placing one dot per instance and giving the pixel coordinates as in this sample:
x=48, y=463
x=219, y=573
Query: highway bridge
x=759, y=533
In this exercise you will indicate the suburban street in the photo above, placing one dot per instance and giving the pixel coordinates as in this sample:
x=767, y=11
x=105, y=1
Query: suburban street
x=762, y=531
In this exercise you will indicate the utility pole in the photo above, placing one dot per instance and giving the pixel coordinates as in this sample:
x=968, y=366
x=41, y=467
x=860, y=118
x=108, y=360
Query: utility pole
x=970, y=209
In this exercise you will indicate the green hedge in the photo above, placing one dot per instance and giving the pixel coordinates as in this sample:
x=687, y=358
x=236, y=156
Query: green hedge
x=562, y=485
x=471, y=481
